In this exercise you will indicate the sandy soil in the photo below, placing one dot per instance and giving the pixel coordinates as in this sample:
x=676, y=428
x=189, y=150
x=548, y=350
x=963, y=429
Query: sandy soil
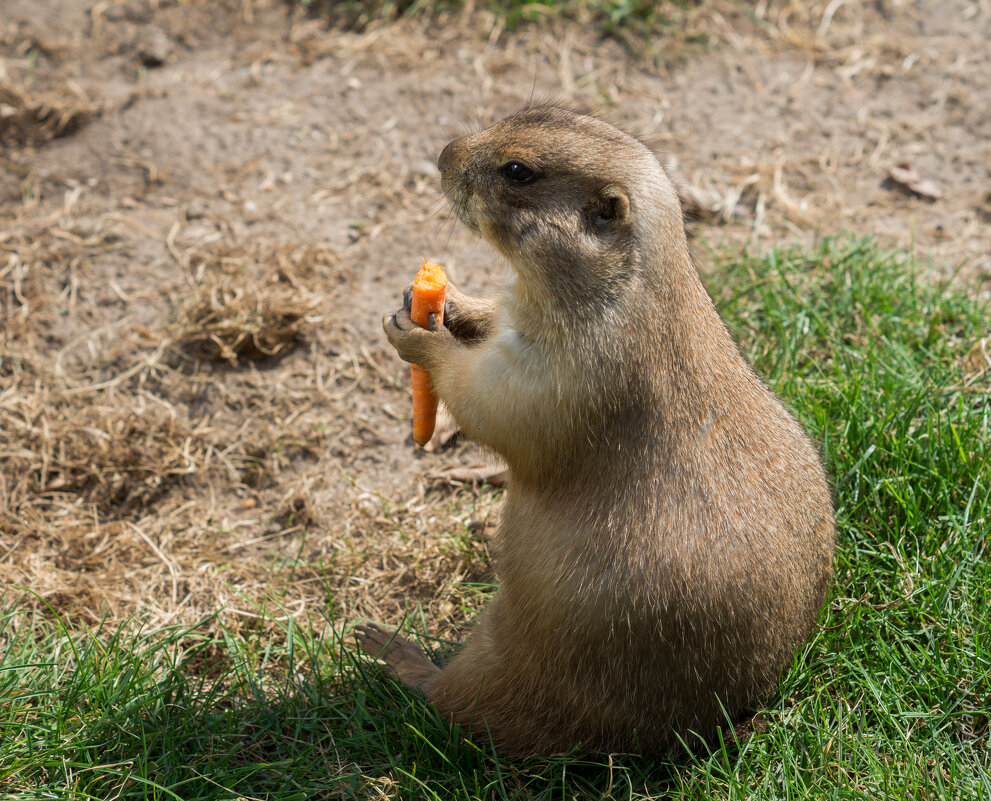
x=206, y=207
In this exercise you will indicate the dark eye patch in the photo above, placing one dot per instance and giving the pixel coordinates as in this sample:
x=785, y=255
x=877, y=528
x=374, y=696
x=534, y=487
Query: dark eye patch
x=517, y=172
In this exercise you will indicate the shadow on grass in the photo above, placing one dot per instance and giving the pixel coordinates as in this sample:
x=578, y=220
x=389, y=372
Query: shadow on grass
x=194, y=713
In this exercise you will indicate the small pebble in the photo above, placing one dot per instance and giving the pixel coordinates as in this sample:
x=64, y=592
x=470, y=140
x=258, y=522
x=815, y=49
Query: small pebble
x=153, y=46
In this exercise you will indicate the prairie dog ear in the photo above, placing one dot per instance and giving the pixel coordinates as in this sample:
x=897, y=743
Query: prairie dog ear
x=611, y=206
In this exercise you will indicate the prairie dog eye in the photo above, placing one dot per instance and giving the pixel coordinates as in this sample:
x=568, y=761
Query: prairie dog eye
x=517, y=172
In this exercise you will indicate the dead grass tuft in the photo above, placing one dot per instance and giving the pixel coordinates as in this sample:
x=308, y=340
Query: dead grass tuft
x=31, y=116
x=977, y=363
x=250, y=305
x=115, y=455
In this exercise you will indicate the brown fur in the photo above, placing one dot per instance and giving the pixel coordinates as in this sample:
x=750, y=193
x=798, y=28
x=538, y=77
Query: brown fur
x=667, y=535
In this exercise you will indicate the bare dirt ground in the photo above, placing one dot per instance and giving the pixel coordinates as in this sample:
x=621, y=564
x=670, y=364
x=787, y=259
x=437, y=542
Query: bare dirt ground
x=206, y=207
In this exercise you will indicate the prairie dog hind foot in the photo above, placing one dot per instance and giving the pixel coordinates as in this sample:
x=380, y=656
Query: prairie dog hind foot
x=403, y=660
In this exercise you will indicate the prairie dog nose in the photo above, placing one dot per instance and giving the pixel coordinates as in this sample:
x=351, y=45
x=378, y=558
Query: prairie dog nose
x=451, y=156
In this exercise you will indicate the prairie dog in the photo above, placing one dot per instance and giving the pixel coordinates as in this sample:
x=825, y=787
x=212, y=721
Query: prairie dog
x=667, y=535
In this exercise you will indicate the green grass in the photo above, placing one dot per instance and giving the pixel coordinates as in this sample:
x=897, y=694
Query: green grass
x=611, y=17
x=890, y=699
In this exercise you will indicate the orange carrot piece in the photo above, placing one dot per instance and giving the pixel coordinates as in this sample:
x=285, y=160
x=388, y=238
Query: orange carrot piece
x=429, y=288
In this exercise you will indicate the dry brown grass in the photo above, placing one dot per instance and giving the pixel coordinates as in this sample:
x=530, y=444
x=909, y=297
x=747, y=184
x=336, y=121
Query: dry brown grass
x=249, y=306
x=37, y=105
x=186, y=458
x=29, y=115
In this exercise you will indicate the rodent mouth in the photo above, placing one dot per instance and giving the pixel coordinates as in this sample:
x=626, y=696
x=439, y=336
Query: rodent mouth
x=469, y=221
x=458, y=199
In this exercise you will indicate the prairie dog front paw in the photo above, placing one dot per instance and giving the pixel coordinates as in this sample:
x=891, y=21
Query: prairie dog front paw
x=414, y=344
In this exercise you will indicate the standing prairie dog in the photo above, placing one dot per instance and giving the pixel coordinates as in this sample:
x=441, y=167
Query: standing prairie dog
x=667, y=535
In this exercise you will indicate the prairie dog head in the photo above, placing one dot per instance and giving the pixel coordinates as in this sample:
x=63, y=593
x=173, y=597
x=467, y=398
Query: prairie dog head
x=556, y=190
